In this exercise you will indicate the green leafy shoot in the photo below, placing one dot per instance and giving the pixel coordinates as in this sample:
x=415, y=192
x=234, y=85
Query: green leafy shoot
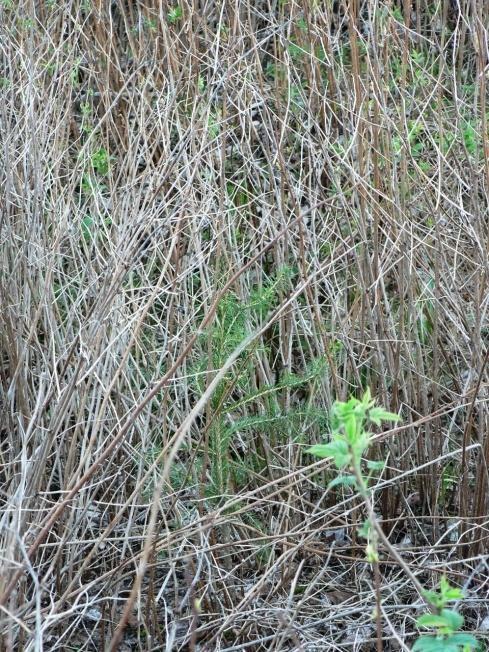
x=445, y=623
x=349, y=440
x=349, y=437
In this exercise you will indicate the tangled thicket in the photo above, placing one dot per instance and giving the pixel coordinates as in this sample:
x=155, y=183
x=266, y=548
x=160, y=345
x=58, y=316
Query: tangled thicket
x=215, y=218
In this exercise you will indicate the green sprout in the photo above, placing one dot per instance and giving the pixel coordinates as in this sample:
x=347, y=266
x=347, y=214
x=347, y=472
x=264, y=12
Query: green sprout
x=445, y=623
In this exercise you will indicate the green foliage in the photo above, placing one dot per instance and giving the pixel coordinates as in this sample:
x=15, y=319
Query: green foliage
x=150, y=24
x=470, y=137
x=75, y=71
x=86, y=227
x=238, y=406
x=237, y=193
x=232, y=324
x=445, y=622
x=297, y=52
x=397, y=14
x=98, y=168
x=449, y=480
x=100, y=161
x=93, y=228
x=349, y=438
x=213, y=124
x=175, y=14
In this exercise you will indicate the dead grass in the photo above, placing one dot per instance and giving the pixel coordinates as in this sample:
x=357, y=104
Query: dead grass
x=212, y=225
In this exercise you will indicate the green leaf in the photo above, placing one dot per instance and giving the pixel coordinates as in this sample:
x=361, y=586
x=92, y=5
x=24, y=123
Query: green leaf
x=470, y=137
x=175, y=14
x=453, y=594
x=462, y=639
x=367, y=397
x=86, y=227
x=364, y=530
x=433, y=598
x=371, y=554
x=378, y=414
x=100, y=161
x=320, y=450
x=376, y=465
x=447, y=618
x=454, y=619
x=338, y=450
x=348, y=480
x=360, y=444
x=430, y=620
x=448, y=647
x=350, y=426
x=428, y=644
x=449, y=592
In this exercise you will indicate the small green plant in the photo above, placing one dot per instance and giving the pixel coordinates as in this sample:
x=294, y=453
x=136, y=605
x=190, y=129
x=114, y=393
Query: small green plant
x=297, y=52
x=86, y=114
x=349, y=441
x=213, y=124
x=445, y=623
x=397, y=14
x=100, y=161
x=175, y=14
x=448, y=483
x=75, y=71
x=99, y=166
x=150, y=24
x=239, y=405
x=470, y=137
x=349, y=437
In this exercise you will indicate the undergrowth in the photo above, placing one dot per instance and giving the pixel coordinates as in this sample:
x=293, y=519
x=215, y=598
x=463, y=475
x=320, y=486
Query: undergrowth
x=218, y=221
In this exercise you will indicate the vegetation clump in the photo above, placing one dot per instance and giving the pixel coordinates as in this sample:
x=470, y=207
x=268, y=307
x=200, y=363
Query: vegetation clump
x=220, y=223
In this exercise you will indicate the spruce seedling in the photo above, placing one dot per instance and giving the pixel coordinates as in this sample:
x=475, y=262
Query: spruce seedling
x=175, y=14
